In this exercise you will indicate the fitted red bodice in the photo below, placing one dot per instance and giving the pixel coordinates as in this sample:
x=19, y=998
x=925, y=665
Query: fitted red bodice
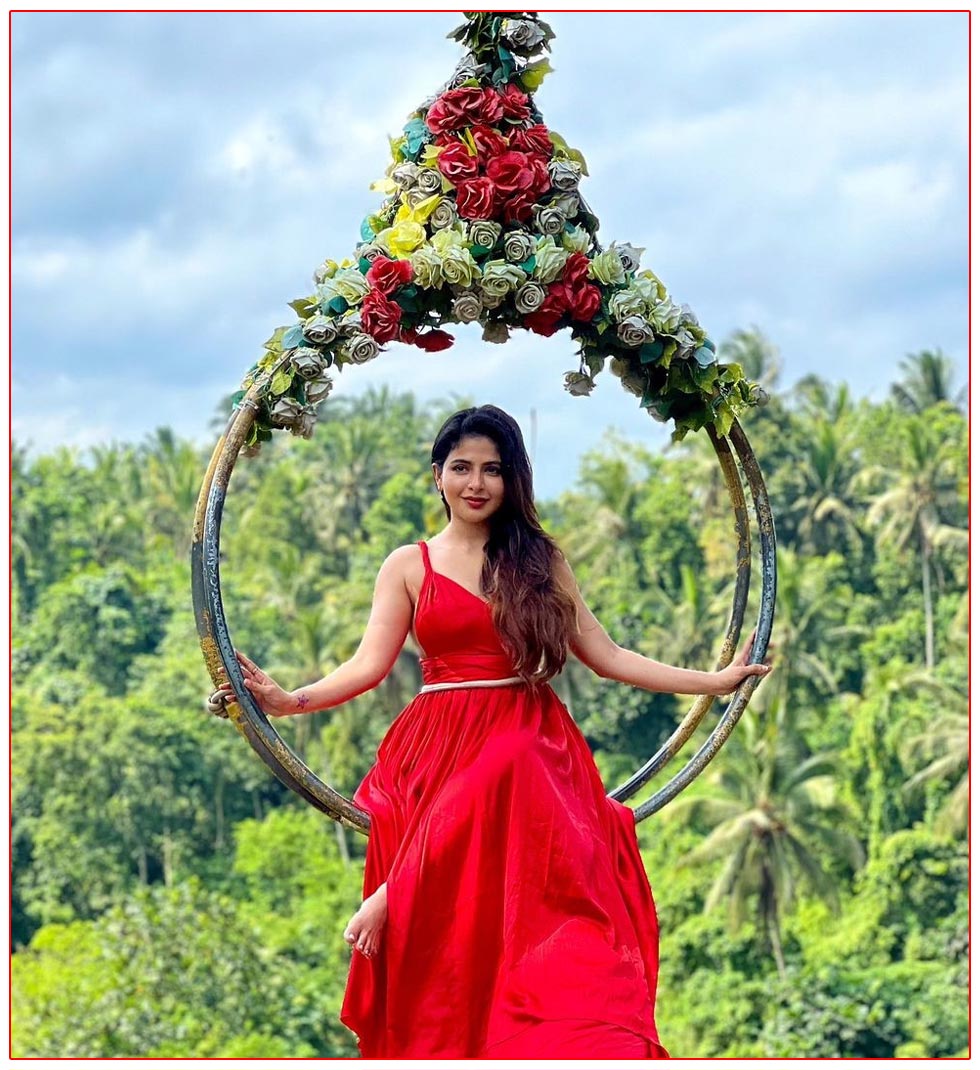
x=455, y=629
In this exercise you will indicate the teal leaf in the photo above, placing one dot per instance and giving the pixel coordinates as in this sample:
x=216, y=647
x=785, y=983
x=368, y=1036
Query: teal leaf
x=651, y=351
x=416, y=134
x=704, y=356
x=293, y=337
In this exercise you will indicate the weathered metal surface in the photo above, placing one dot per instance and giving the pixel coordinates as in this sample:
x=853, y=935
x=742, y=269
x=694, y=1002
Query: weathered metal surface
x=216, y=644
x=763, y=630
x=252, y=723
x=743, y=565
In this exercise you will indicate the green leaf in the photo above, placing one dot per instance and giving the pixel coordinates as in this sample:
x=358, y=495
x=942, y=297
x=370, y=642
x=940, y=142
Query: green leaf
x=281, y=381
x=705, y=377
x=594, y=362
x=731, y=373
x=565, y=151
x=534, y=74
x=406, y=302
x=304, y=307
x=723, y=418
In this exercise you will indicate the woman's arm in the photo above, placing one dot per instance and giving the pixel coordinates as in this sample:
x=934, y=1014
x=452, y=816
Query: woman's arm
x=384, y=636
x=593, y=647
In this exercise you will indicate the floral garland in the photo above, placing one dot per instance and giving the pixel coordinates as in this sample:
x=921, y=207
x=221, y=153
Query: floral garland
x=484, y=223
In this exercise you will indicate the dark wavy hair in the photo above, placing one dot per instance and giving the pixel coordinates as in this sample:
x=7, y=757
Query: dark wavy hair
x=533, y=614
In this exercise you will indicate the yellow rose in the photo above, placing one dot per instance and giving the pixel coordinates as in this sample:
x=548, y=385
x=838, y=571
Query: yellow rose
x=405, y=238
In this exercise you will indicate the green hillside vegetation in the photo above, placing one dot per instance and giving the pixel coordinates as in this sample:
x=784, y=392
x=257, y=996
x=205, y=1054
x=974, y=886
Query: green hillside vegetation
x=171, y=898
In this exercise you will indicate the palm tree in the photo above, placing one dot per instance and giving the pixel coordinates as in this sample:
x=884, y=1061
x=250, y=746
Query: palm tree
x=759, y=358
x=696, y=619
x=805, y=597
x=909, y=512
x=613, y=481
x=173, y=474
x=945, y=746
x=825, y=510
x=928, y=381
x=772, y=818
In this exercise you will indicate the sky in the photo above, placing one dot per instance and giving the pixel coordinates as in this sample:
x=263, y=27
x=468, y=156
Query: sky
x=177, y=177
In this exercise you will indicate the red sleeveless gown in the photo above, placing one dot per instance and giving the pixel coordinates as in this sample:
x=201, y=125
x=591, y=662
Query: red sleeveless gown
x=520, y=917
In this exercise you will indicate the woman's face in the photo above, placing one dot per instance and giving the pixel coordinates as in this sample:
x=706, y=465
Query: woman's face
x=472, y=479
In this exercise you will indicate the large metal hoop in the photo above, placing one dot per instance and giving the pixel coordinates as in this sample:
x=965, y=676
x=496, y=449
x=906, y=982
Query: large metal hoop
x=253, y=724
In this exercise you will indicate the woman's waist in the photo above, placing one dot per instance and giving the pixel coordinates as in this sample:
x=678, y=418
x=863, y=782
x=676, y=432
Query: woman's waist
x=466, y=666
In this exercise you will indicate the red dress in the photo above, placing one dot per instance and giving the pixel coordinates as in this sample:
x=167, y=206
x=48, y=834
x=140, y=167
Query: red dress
x=520, y=917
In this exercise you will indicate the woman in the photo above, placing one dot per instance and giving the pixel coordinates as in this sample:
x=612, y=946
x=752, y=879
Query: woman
x=507, y=912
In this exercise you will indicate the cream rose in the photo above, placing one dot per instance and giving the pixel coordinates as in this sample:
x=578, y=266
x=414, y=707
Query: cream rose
x=634, y=331
x=484, y=233
x=444, y=214
x=500, y=278
x=549, y=260
x=307, y=362
x=529, y=298
x=518, y=246
x=458, y=266
x=320, y=330
x=360, y=348
x=318, y=389
x=467, y=308
x=429, y=181
x=549, y=220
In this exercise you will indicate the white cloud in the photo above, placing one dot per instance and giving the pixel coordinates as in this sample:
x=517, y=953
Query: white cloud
x=802, y=171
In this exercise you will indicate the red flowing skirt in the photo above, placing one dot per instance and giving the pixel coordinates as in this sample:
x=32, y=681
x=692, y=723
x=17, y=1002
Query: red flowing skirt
x=520, y=918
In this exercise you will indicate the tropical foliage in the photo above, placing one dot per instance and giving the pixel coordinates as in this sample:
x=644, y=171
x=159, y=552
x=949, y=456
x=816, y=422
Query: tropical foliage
x=171, y=899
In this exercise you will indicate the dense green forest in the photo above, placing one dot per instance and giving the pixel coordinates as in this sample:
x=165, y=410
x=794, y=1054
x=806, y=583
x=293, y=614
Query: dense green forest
x=170, y=898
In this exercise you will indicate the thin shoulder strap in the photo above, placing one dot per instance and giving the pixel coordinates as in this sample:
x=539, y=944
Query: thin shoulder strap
x=425, y=557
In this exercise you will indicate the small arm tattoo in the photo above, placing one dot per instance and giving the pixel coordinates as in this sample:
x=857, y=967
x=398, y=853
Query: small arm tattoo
x=302, y=701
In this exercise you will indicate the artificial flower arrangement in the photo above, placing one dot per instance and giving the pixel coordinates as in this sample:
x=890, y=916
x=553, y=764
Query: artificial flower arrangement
x=484, y=223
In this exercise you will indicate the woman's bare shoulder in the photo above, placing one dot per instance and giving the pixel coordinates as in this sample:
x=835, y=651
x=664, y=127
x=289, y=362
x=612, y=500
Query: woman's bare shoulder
x=405, y=563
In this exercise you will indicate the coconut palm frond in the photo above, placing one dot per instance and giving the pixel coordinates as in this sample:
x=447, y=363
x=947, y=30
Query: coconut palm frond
x=819, y=881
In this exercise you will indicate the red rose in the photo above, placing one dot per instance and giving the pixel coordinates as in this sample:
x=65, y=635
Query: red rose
x=541, y=181
x=434, y=341
x=456, y=163
x=514, y=103
x=545, y=320
x=491, y=108
x=533, y=139
x=576, y=270
x=455, y=109
x=489, y=143
x=387, y=275
x=584, y=302
x=512, y=172
x=476, y=198
x=380, y=317
x=517, y=207
x=581, y=298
